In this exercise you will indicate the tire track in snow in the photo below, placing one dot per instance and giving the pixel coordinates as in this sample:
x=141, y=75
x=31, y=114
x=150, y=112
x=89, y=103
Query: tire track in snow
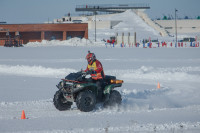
x=33, y=109
x=43, y=111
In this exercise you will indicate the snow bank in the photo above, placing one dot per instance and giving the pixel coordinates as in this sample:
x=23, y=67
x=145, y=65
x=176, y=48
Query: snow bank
x=159, y=74
x=70, y=42
x=129, y=75
x=34, y=71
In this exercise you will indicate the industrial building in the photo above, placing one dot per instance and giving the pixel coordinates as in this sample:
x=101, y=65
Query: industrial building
x=38, y=32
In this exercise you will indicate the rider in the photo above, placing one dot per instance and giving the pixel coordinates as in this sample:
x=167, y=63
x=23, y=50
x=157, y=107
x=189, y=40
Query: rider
x=95, y=69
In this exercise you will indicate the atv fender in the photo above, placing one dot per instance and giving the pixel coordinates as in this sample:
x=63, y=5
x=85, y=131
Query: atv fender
x=90, y=86
x=108, y=88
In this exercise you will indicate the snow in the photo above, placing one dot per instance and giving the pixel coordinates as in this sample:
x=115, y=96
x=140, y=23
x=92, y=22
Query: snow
x=29, y=75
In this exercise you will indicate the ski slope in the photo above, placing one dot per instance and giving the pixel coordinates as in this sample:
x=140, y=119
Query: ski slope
x=130, y=22
x=28, y=78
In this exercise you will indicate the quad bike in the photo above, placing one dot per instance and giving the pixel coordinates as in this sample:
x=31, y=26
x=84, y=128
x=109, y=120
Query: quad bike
x=77, y=88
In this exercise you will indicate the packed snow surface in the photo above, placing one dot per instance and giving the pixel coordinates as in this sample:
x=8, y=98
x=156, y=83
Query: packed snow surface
x=28, y=78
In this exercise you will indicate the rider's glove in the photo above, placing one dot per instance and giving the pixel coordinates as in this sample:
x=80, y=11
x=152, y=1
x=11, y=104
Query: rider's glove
x=89, y=72
x=94, y=72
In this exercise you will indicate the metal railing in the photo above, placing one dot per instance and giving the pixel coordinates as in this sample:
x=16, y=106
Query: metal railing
x=115, y=6
x=111, y=7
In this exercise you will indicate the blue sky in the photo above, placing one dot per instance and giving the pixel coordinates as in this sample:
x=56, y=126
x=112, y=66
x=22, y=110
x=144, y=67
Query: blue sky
x=38, y=11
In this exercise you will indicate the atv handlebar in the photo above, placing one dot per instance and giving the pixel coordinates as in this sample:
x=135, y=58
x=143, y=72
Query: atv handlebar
x=83, y=73
x=88, y=72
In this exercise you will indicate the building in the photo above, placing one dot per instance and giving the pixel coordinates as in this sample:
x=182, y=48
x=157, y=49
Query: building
x=90, y=12
x=183, y=25
x=39, y=32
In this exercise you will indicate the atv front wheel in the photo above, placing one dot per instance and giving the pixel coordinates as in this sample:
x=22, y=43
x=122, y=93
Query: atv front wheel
x=86, y=101
x=114, y=99
x=60, y=102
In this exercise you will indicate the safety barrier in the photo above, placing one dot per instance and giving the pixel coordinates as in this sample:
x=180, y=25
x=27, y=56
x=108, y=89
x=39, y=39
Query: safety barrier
x=155, y=45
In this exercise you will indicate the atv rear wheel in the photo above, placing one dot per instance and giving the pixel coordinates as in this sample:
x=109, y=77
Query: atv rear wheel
x=86, y=101
x=60, y=102
x=114, y=99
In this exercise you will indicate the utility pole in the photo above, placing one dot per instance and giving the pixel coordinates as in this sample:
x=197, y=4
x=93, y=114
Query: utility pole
x=176, y=25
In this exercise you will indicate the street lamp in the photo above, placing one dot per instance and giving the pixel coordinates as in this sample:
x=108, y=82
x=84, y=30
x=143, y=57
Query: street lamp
x=176, y=26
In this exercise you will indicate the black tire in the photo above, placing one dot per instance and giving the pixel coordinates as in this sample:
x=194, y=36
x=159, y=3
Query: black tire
x=86, y=101
x=60, y=102
x=115, y=99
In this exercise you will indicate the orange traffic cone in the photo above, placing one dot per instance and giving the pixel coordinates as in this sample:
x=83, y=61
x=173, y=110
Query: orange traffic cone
x=23, y=115
x=158, y=86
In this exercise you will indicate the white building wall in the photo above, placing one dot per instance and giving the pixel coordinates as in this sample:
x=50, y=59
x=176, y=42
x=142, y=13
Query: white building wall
x=99, y=24
x=183, y=26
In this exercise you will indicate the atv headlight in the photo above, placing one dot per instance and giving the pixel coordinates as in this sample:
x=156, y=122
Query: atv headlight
x=78, y=86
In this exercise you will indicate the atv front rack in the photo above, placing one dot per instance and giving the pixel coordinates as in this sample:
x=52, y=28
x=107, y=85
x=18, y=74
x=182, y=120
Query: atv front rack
x=73, y=81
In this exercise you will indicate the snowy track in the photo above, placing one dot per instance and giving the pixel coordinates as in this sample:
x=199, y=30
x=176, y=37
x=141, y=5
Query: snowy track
x=28, y=83
x=129, y=75
x=43, y=117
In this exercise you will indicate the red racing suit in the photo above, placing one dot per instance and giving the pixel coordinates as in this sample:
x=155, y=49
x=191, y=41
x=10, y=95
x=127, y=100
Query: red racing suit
x=98, y=68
